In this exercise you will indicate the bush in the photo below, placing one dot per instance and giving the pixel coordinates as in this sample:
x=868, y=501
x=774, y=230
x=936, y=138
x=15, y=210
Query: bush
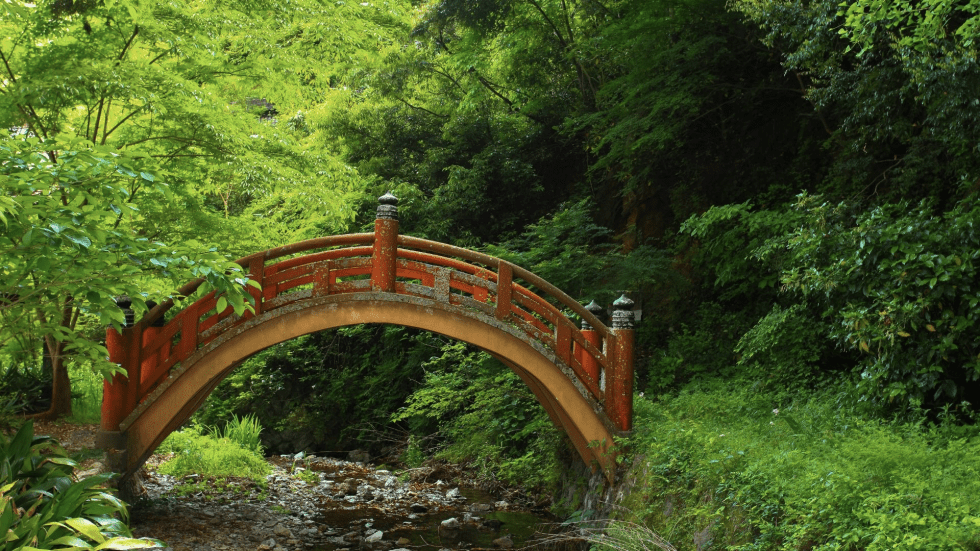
x=784, y=347
x=197, y=453
x=28, y=389
x=43, y=506
x=702, y=346
x=487, y=417
x=898, y=284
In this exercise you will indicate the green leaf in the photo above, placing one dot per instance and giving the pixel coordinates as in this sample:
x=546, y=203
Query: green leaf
x=79, y=240
x=86, y=528
x=127, y=543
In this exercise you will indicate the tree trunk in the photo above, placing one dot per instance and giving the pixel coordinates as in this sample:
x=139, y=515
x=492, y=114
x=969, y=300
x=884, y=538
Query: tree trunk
x=60, y=383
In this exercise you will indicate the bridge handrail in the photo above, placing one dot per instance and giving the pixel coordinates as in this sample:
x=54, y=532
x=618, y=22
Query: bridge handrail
x=270, y=254
x=527, y=303
x=494, y=262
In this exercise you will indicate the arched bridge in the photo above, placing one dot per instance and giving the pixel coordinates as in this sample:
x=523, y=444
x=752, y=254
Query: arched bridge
x=582, y=377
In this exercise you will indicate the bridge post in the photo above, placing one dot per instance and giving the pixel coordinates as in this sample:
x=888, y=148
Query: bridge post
x=149, y=369
x=619, y=386
x=385, y=252
x=589, y=364
x=115, y=393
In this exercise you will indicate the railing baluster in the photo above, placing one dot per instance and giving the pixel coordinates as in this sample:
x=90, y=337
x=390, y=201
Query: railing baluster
x=256, y=272
x=588, y=361
x=441, y=284
x=188, y=332
x=505, y=274
x=385, y=254
x=321, y=278
x=619, y=397
x=563, y=341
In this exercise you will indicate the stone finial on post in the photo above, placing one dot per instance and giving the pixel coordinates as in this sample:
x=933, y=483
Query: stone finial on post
x=385, y=251
x=589, y=363
x=619, y=392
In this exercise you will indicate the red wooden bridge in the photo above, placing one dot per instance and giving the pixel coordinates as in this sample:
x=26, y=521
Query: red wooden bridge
x=582, y=377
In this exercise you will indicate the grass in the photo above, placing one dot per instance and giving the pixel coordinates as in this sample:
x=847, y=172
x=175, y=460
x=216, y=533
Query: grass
x=209, y=456
x=243, y=431
x=754, y=472
x=223, y=489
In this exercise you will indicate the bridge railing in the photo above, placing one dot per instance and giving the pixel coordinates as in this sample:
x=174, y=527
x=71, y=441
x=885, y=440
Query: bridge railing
x=601, y=358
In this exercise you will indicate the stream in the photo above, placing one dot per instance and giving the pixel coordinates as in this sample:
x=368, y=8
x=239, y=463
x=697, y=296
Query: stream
x=324, y=504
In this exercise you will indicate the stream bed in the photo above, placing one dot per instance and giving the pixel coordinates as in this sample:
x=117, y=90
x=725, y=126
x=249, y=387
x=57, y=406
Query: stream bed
x=324, y=504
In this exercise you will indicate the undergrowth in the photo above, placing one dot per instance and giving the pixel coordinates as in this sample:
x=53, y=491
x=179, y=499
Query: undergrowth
x=211, y=455
x=44, y=505
x=86, y=394
x=727, y=466
x=477, y=412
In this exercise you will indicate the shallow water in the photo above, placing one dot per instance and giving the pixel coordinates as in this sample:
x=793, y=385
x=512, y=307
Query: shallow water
x=481, y=521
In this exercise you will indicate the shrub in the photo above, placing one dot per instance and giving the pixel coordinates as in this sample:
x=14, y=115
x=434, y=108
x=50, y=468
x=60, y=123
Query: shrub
x=205, y=455
x=787, y=338
x=28, y=389
x=899, y=286
x=699, y=347
x=487, y=416
x=43, y=506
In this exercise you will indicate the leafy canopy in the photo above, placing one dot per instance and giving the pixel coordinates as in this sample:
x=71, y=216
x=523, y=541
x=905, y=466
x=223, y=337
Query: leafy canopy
x=68, y=247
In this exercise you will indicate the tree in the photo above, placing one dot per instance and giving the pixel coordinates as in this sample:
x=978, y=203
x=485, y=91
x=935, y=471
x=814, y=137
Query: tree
x=68, y=248
x=462, y=117
x=897, y=284
x=193, y=89
x=894, y=84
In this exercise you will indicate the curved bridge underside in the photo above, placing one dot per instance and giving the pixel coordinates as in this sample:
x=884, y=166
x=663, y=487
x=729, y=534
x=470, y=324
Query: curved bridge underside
x=173, y=402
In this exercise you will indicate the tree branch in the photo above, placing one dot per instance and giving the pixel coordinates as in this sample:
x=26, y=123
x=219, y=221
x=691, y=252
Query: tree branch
x=105, y=123
x=554, y=28
x=136, y=31
x=7, y=65
x=122, y=120
x=486, y=84
x=98, y=119
x=159, y=57
x=449, y=77
x=27, y=111
x=423, y=109
x=823, y=121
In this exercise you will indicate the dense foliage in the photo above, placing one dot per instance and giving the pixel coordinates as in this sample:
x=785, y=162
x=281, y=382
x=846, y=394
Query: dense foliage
x=789, y=189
